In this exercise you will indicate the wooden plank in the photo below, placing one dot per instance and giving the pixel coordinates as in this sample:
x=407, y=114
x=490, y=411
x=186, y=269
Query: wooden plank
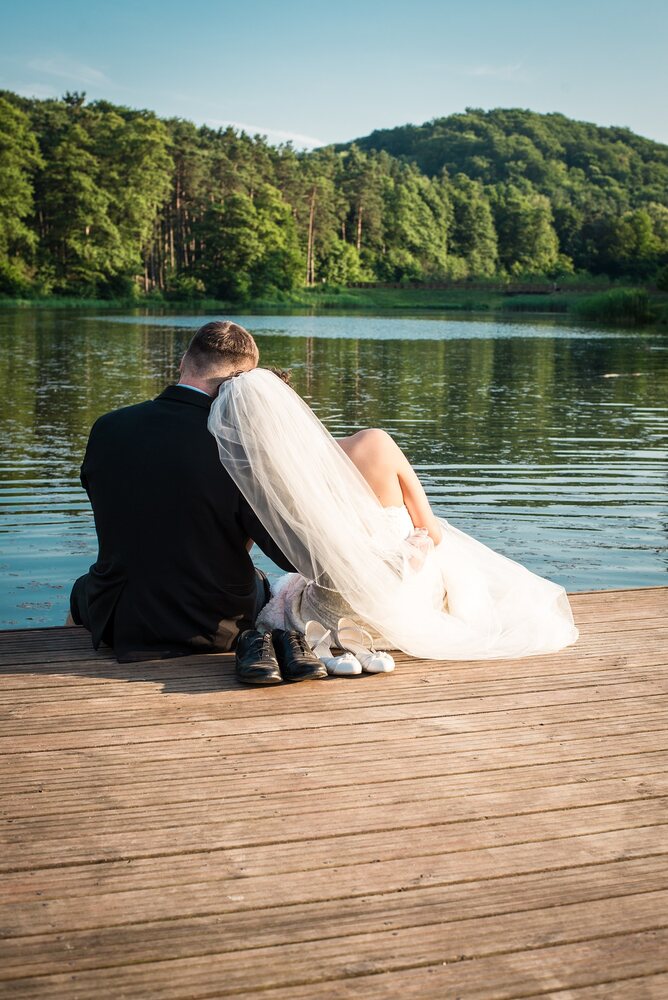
x=278, y=829
x=592, y=925
x=300, y=804
x=222, y=892
x=392, y=794
x=41, y=655
x=46, y=652
x=48, y=792
x=594, y=638
x=190, y=815
x=31, y=721
x=49, y=797
x=323, y=822
x=635, y=988
x=456, y=828
x=506, y=976
x=123, y=834
x=409, y=681
x=191, y=935
x=230, y=721
x=215, y=673
x=340, y=691
x=99, y=709
x=203, y=753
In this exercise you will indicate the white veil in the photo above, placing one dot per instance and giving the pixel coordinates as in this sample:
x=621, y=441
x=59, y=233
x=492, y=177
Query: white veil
x=325, y=518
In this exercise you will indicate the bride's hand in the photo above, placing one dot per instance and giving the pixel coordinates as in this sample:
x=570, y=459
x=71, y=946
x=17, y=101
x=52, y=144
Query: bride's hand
x=420, y=545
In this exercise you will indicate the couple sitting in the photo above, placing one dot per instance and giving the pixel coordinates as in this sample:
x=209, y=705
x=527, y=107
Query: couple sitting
x=182, y=485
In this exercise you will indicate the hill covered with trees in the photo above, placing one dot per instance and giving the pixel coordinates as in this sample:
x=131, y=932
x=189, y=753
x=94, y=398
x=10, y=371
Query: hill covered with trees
x=102, y=200
x=602, y=192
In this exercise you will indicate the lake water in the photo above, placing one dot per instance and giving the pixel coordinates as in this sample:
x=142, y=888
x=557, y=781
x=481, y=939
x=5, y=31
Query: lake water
x=545, y=441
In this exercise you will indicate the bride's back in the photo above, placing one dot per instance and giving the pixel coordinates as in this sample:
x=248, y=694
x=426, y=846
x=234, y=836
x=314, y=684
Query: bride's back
x=374, y=453
x=391, y=476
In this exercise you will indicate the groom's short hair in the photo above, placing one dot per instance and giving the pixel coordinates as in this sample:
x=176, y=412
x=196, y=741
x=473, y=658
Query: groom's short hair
x=221, y=344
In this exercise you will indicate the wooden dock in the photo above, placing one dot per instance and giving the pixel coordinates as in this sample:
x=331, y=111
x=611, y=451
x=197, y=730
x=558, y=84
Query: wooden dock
x=487, y=830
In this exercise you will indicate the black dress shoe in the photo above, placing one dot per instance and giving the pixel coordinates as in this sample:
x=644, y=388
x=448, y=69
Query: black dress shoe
x=298, y=662
x=256, y=661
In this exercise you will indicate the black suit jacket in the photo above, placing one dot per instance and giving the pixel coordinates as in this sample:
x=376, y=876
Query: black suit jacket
x=173, y=573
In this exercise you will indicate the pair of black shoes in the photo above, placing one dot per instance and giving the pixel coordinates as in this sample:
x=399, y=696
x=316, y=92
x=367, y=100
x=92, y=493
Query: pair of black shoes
x=272, y=657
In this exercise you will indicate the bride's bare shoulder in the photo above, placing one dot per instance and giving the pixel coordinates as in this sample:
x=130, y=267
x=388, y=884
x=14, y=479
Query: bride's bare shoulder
x=370, y=441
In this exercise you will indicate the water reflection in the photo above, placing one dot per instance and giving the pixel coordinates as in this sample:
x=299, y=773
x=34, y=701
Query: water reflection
x=546, y=442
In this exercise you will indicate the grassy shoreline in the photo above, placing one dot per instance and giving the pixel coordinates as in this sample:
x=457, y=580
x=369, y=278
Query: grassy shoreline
x=622, y=305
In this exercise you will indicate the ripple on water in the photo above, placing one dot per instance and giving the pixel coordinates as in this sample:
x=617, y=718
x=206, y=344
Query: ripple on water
x=517, y=432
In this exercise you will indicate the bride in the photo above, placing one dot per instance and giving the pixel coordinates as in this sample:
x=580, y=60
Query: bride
x=354, y=520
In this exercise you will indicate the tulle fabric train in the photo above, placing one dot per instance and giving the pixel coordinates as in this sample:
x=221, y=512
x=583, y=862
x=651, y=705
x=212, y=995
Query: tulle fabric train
x=459, y=600
x=486, y=606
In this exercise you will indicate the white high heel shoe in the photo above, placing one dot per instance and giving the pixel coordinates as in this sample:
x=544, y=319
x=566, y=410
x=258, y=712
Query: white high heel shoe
x=357, y=640
x=317, y=637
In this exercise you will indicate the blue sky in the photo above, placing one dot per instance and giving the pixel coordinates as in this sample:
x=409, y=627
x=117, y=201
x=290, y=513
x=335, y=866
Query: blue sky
x=293, y=69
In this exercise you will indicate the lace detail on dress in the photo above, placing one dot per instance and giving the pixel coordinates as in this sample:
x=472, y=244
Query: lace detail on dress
x=400, y=517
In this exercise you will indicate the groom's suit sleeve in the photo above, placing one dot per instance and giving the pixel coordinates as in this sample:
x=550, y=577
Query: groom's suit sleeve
x=254, y=529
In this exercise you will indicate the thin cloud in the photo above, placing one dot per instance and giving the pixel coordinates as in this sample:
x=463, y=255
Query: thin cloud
x=39, y=90
x=508, y=72
x=70, y=70
x=278, y=135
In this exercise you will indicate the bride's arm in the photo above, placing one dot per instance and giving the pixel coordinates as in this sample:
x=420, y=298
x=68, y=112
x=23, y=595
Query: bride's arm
x=391, y=476
x=416, y=500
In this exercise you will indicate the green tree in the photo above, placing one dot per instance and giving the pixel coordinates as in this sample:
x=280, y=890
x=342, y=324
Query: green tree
x=249, y=246
x=79, y=242
x=114, y=196
x=659, y=215
x=362, y=186
x=342, y=264
x=321, y=217
x=625, y=245
x=588, y=173
x=19, y=158
x=188, y=197
x=416, y=214
x=528, y=243
x=281, y=263
x=230, y=247
x=135, y=173
x=472, y=234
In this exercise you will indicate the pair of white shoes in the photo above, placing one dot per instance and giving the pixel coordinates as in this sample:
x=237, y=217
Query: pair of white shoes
x=359, y=654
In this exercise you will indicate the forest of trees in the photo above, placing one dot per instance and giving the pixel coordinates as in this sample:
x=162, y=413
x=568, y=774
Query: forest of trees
x=101, y=200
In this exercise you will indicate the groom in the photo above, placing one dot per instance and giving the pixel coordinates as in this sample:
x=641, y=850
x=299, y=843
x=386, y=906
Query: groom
x=173, y=575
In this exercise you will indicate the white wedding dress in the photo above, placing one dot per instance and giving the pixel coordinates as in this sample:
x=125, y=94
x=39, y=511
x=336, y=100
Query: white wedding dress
x=458, y=600
x=296, y=600
x=491, y=605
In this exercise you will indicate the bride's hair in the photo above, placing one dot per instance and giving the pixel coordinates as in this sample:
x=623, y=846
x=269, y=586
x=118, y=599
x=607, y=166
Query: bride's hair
x=221, y=345
x=285, y=374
